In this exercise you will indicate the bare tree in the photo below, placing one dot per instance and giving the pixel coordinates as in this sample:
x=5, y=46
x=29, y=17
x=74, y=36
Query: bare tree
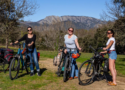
x=114, y=11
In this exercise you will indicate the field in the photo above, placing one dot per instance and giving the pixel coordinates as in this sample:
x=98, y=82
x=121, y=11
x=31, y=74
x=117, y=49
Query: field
x=120, y=62
x=49, y=80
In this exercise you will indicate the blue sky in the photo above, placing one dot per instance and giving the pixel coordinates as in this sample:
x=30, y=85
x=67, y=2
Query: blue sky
x=92, y=8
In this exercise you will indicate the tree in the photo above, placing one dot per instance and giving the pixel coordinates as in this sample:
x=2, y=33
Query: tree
x=114, y=11
x=11, y=12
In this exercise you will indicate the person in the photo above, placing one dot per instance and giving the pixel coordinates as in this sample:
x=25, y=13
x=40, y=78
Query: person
x=71, y=41
x=30, y=39
x=110, y=49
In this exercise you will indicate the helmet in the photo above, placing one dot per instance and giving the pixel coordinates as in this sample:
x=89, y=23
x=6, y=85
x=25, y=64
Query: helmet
x=77, y=55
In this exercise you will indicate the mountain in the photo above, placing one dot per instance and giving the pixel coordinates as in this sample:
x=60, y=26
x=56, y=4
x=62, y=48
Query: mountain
x=79, y=22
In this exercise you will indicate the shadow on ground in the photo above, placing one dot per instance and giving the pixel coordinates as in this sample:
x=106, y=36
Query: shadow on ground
x=41, y=71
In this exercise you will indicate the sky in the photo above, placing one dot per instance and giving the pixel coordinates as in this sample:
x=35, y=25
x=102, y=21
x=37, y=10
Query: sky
x=91, y=8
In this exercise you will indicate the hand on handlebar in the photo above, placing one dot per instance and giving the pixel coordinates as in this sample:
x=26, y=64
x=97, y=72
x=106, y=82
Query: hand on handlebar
x=80, y=49
x=11, y=43
x=29, y=45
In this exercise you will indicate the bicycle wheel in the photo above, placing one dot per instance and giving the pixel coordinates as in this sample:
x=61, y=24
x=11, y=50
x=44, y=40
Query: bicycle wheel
x=66, y=70
x=5, y=64
x=86, y=73
x=60, y=68
x=14, y=68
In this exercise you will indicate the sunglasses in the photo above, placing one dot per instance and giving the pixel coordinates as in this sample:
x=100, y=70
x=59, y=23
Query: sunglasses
x=29, y=30
x=109, y=33
x=70, y=30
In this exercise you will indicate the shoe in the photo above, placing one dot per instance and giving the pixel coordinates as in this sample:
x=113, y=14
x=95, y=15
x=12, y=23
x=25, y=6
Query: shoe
x=38, y=73
x=31, y=74
x=70, y=78
x=112, y=84
x=109, y=82
x=75, y=77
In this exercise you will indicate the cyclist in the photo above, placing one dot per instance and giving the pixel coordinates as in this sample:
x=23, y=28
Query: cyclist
x=71, y=41
x=110, y=49
x=30, y=44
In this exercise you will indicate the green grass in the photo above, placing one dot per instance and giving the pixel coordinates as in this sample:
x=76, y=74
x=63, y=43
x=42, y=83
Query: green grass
x=120, y=62
x=26, y=82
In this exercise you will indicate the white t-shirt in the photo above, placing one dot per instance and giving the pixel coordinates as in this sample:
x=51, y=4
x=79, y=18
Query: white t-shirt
x=70, y=42
x=113, y=45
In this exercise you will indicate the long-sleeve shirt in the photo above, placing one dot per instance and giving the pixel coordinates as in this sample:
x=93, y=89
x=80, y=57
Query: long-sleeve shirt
x=28, y=40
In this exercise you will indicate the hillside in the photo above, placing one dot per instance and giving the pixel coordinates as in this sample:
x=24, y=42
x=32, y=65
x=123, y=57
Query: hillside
x=79, y=22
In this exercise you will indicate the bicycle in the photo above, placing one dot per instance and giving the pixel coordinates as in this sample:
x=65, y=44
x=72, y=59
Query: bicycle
x=67, y=67
x=92, y=68
x=6, y=56
x=15, y=65
x=61, y=62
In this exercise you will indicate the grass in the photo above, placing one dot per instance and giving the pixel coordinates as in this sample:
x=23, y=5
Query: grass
x=25, y=82
x=120, y=62
x=49, y=79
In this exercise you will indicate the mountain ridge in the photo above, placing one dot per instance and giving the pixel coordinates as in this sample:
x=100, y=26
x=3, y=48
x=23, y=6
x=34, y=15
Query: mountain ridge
x=80, y=22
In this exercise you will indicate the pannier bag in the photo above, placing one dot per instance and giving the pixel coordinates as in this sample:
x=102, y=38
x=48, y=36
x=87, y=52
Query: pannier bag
x=8, y=54
x=57, y=59
x=106, y=66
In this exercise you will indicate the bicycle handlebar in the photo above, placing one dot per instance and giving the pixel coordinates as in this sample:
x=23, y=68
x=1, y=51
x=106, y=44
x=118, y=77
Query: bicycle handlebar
x=99, y=48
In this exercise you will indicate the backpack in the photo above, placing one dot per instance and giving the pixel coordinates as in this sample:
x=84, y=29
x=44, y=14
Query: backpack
x=106, y=65
x=57, y=59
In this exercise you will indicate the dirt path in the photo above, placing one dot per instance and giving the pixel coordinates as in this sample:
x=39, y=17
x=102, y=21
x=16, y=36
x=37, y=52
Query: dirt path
x=73, y=84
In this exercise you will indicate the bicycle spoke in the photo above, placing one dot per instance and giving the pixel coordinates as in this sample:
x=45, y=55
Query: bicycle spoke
x=86, y=73
x=14, y=68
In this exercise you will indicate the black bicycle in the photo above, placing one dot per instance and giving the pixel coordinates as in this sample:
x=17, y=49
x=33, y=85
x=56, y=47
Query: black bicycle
x=93, y=68
x=67, y=68
x=19, y=62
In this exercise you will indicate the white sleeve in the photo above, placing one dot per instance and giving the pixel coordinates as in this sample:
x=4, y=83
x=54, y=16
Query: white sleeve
x=75, y=37
x=112, y=39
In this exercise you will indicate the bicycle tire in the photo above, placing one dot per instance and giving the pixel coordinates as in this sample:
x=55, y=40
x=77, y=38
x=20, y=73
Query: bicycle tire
x=66, y=71
x=4, y=64
x=60, y=68
x=14, y=70
x=87, y=73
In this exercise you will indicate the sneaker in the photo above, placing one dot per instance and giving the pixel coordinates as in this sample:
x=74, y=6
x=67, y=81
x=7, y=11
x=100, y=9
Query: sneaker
x=38, y=73
x=31, y=74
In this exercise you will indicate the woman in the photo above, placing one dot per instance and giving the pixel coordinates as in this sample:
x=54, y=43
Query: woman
x=71, y=41
x=110, y=49
x=30, y=44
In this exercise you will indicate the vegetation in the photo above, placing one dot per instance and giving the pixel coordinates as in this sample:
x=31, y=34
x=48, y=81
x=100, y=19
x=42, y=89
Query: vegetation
x=11, y=12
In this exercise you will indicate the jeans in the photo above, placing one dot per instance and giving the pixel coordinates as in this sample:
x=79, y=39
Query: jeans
x=33, y=53
x=74, y=67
